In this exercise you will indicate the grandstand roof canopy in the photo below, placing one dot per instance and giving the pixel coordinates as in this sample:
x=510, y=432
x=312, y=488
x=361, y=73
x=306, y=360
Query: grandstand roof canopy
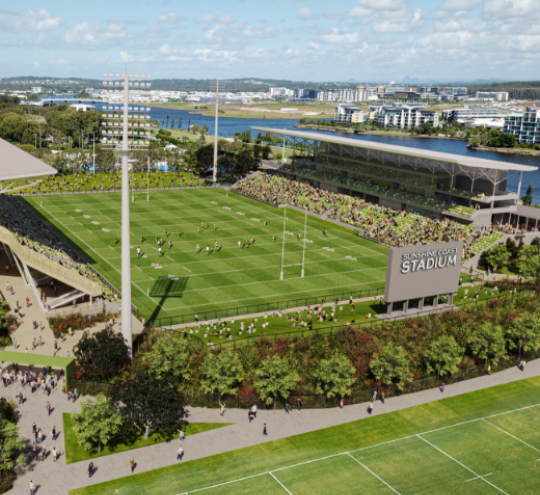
x=466, y=161
x=17, y=164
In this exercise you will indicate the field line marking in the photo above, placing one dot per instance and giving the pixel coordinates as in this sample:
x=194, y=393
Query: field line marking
x=227, y=483
x=308, y=462
x=137, y=267
x=187, y=269
x=513, y=436
x=461, y=464
x=374, y=474
x=479, y=477
x=170, y=258
x=280, y=483
x=447, y=427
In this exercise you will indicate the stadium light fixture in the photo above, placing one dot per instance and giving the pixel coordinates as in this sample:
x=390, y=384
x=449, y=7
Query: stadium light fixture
x=123, y=134
x=216, y=90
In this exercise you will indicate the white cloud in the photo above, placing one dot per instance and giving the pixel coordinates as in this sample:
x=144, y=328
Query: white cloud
x=340, y=37
x=92, y=35
x=306, y=14
x=41, y=20
x=166, y=49
x=171, y=18
x=359, y=12
x=334, y=14
x=511, y=8
x=210, y=17
x=126, y=57
x=383, y=4
x=462, y=5
x=81, y=34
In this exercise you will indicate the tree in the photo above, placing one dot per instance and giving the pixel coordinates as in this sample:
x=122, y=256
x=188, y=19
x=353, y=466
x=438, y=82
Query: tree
x=11, y=446
x=391, y=366
x=245, y=161
x=266, y=152
x=148, y=403
x=195, y=128
x=529, y=265
x=528, y=197
x=97, y=423
x=498, y=256
x=487, y=342
x=205, y=159
x=444, y=355
x=334, y=376
x=275, y=377
x=169, y=355
x=222, y=373
x=524, y=333
x=102, y=354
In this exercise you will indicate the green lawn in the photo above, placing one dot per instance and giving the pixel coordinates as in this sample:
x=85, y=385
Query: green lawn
x=75, y=453
x=485, y=442
x=186, y=282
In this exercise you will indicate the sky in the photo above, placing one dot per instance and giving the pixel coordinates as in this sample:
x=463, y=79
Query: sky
x=302, y=40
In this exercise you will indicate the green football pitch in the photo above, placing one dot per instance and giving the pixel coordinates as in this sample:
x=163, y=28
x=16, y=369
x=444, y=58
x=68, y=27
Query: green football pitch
x=183, y=281
x=485, y=442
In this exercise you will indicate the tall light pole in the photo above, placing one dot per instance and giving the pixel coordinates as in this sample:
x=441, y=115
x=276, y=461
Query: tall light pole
x=131, y=137
x=304, y=249
x=216, y=133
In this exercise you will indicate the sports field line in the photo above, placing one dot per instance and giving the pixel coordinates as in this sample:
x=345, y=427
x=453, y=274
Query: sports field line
x=513, y=436
x=478, y=476
x=280, y=294
x=371, y=472
x=263, y=282
x=280, y=483
x=264, y=268
x=370, y=447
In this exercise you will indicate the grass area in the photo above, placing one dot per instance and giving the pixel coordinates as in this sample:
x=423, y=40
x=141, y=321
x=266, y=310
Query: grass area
x=75, y=453
x=268, y=110
x=483, y=442
x=103, y=182
x=184, y=281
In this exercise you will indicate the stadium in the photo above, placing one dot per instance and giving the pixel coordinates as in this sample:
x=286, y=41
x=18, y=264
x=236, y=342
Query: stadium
x=266, y=293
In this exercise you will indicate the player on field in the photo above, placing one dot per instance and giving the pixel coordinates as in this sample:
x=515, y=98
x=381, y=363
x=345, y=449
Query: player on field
x=274, y=238
x=170, y=244
x=138, y=252
x=207, y=250
x=159, y=250
x=216, y=245
x=240, y=244
x=215, y=227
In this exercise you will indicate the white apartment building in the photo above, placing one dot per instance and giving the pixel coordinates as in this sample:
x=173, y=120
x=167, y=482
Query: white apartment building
x=473, y=113
x=492, y=95
x=361, y=93
x=403, y=116
x=348, y=114
x=280, y=92
x=525, y=127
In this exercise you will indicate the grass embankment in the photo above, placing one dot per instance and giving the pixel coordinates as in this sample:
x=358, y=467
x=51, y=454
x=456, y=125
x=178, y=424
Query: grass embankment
x=406, y=474
x=75, y=453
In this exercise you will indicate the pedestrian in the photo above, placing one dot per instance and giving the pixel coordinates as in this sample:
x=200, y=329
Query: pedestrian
x=48, y=406
x=341, y=403
x=54, y=454
x=370, y=408
x=207, y=250
x=287, y=407
x=132, y=464
x=522, y=365
x=265, y=433
x=90, y=469
x=53, y=433
x=181, y=436
x=180, y=453
x=489, y=369
x=27, y=301
x=34, y=429
x=250, y=415
x=32, y=486
x=254, y=410
x=222, y=407
x=442, y=387
x=299, y=404
x=374, y=396
x=34, y=450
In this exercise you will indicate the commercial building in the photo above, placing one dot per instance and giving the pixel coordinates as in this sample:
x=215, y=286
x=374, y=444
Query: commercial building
x=403, y=116
x=492, y=95
x=441, y=185
x=361, y=93
x=348, y=114
x=525, y=127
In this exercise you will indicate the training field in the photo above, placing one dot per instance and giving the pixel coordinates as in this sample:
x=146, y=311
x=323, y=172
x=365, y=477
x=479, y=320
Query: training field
x=183, y=281
x=485, y=442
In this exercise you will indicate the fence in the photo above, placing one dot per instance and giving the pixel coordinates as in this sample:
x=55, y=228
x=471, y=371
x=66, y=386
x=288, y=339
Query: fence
x=361, y=395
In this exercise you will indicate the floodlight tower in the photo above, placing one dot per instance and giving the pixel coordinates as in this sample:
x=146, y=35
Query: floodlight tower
x=216, y=132
x=122, y=133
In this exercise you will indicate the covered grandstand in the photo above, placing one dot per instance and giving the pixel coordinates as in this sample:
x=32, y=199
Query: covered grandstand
x=440, y=185
x=39, y=254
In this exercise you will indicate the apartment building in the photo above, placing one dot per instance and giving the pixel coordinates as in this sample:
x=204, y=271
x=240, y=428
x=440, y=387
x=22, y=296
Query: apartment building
x=403, y=116
x=525, y=127
x=492, y=95
x=472, y=113
x=348, y=114
x=361, y=93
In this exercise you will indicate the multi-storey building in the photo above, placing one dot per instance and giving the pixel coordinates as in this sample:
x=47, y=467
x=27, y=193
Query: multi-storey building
x=472, y=113
x=525, y=127
x=403, y=116
x=492, y=95
x=348, y=114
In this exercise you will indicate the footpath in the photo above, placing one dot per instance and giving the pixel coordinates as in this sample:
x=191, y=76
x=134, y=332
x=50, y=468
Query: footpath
x=58, y=478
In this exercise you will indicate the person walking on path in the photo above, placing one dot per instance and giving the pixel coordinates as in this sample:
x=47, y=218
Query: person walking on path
x=32, y=488
x=341, y=402
x=287, y=407
x=222, y=407
x=265, y=433
x=254, y=410
x=522, y=365
x=132, y=464
x=442, y=387
x=90, y=469
x=54, y=454
x=34, y=450
x=53, y=433
x=180, y=453
x=250, y=415
x=370, y=408
x=48, y=406
x=299, y=404
x=181, y=436
x=374, y=396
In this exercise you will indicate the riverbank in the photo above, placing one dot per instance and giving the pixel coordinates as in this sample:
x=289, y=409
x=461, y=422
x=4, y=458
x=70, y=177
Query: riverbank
x=508, y=151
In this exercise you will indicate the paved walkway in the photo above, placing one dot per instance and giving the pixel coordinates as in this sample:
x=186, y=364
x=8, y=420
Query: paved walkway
x=59, y=478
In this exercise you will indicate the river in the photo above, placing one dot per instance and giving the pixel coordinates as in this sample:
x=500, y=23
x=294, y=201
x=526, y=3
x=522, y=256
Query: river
x=228, y=126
